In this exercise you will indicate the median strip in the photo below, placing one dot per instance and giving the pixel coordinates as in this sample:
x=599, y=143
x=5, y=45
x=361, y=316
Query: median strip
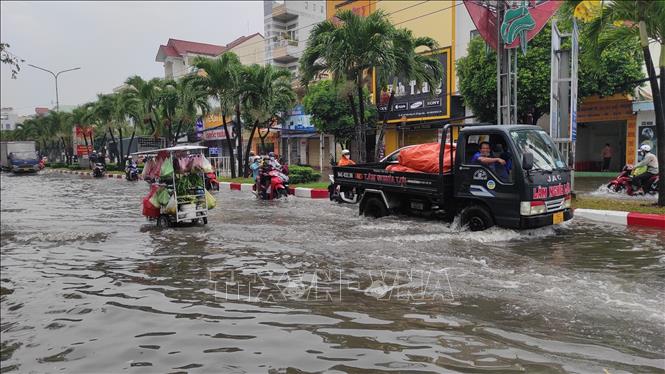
x=309, y=193
x=623, y=218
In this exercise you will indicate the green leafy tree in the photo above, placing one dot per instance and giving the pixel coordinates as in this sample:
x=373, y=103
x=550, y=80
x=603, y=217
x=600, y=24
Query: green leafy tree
x=331, y=112
x=615, y=71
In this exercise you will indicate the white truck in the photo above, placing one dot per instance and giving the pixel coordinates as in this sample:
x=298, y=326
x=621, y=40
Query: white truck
x=19, y=156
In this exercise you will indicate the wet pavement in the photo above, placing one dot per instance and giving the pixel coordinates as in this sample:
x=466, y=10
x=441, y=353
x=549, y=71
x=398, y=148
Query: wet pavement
x=308, y=286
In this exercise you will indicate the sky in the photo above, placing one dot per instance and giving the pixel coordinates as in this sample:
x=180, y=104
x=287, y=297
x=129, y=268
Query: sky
x=109, y=41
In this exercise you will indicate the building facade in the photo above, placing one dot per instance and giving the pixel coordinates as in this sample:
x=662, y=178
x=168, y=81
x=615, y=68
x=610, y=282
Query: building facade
x=287, y=25
x=8, y=119
x=178, y=55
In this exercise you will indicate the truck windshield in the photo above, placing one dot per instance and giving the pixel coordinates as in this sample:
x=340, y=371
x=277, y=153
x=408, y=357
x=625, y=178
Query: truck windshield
x=26, y=155
x=546, y=156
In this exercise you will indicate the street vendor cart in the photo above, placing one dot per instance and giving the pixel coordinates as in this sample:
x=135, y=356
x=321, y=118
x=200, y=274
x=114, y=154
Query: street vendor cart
x=178, y=193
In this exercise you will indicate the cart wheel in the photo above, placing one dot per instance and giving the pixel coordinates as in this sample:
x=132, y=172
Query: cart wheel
x=205, y=220
x=163, y=221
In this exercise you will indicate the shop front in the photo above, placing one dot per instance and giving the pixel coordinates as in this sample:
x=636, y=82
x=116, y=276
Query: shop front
x=603, y=121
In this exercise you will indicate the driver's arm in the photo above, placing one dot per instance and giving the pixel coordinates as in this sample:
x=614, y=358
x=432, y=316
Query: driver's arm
x=491, y=160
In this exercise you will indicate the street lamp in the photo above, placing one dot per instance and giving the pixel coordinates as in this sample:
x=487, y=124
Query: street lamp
x=55, y=75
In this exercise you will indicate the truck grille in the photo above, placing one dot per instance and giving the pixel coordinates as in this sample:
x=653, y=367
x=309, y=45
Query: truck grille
x=554, y=205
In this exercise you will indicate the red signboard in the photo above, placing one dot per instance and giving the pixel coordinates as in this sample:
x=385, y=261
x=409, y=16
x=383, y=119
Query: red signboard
x=80, y=141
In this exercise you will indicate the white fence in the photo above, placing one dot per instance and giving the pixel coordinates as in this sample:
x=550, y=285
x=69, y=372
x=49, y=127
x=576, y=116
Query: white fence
x=222, y=165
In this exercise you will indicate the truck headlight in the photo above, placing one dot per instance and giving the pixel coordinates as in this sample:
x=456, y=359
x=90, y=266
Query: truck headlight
x=568, y=202
x=531, y=208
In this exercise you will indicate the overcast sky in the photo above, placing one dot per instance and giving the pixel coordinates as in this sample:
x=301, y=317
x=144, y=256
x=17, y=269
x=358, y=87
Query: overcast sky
x=110, y=41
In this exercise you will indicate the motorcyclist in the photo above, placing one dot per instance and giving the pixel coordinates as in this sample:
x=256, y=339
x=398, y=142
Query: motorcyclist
x=651, y=162
x=272, y=161
x=346, y=159
x=129, y=165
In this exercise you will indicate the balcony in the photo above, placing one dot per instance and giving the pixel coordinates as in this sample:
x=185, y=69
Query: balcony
x=285, y=51
x=280, y=13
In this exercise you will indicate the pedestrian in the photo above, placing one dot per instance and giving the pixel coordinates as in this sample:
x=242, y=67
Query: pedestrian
x=606, y=154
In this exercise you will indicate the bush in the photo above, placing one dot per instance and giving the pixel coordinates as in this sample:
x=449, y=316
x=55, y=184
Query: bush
x=56, y=165
x=75, y=167
x=302, y=174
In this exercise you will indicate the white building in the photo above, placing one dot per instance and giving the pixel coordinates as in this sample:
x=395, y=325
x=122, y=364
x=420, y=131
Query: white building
x=287, y=25
x=8, y=119
x=178, y=55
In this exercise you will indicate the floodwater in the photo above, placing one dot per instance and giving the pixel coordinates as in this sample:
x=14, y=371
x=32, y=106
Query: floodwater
x=304, y=286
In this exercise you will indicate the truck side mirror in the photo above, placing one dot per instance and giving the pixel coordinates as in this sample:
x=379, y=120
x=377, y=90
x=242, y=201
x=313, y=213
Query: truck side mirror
x=527, y=161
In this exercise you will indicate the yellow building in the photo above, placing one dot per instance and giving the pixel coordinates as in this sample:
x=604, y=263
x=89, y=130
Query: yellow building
x=435, y=19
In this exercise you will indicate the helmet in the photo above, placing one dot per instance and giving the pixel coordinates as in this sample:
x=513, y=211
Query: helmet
x=271, y=154
x=346, y=152
x=645, y=148
x=130, y=157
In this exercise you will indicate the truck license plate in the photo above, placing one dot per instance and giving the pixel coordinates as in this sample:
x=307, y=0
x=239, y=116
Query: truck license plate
x=557, y=217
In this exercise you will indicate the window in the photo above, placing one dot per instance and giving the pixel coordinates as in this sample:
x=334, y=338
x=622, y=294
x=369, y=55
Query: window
x=306, y=4
x=490, y=151
x=474, y=33
x=314, y=7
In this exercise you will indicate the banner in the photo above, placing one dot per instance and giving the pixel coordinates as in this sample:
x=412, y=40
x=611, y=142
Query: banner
x=79, y=141
x=412, y=103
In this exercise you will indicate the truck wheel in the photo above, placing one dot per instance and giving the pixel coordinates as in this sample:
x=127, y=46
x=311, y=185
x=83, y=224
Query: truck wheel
x=477, y=218
x=163, y=221
x=375, y=207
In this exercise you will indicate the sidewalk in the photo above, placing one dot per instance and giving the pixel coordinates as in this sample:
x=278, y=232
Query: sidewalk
x=623, y=218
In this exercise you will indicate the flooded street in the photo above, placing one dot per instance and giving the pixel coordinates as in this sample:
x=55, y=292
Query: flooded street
x=308, y=286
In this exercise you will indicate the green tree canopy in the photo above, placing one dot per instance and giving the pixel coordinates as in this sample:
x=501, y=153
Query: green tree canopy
x=613, y=72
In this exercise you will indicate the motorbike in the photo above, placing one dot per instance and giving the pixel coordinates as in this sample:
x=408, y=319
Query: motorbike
x=132, y=173
x=99, y=170
x=273, y=184
x=624, y=182
x=211, y=182
x=341, y=195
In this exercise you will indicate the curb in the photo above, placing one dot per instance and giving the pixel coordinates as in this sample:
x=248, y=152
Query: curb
x=623, y=218
x=308, y=193
x=83, y=173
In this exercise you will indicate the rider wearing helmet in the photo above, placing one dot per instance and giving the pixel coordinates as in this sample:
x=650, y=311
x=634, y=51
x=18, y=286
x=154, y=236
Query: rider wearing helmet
x=346, y=159
x=651, y=162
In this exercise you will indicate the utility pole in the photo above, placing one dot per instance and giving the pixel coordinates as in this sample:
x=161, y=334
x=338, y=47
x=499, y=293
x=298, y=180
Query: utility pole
x=55, y=76
x=506, y=74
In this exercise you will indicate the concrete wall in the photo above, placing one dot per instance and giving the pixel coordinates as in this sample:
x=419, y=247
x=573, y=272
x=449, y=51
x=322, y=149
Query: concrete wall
x=8, y=119
x=252, y=51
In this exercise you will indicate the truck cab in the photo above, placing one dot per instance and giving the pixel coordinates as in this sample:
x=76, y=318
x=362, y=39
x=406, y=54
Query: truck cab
x=529, y=188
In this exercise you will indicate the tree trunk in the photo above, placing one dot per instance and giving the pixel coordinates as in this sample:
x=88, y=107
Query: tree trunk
x=121, y=157
x=87, y=148
x=354, y=113
x=241, y=170
x=229, y=143
x=362, y=156
x=131, y=140
x=64, y=148
x=660, y=117
x=384, y=122
x=114, y=141
x=152, y=126
x=249, y=141
x=177, y=133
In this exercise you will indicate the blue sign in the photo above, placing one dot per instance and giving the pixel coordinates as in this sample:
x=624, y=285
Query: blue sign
x=299, y=110
x=213, y=151
x=199, y=127
x=573, y=126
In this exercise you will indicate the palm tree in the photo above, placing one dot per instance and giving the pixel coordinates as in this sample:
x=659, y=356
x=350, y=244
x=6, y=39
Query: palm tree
x=412, y=65
x=632, y=21
x=180, y=102
x=221, y=78
x=267, y=97
x=348, y=47
x=147, y=93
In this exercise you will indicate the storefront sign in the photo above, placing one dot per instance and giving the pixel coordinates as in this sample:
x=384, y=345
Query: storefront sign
x=213, y=128
x=217, y=134
x=412, y=103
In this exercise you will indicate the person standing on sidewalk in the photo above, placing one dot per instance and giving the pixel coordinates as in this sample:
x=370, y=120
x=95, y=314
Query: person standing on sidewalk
x=606, y=154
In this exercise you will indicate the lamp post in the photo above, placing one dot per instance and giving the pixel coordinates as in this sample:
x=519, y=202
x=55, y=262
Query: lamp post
x=55, y=75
